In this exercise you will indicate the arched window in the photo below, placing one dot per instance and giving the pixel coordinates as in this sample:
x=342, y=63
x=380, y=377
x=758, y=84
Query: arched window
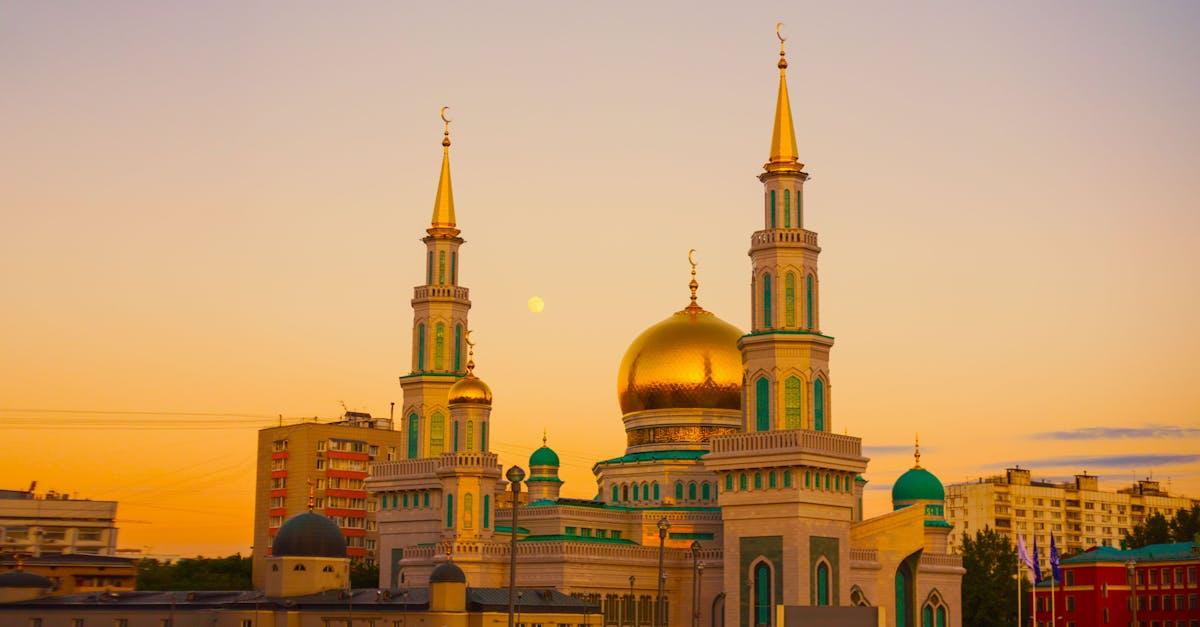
x=656, y=494
x=405, y=499
x=758, y=481
x=904, y=596
x=787, y=478
x=678, y=490
x=799, y=209
x=822, y=583
x=941, y=616
x=771, y=481
x=453, y=268
x=439, y=345
x=827, y=482
x=441, y=267
x=454, y=435
x=450, y=511
x=487, y=510
x=762, y=404
x=762, y=594
x=808, y=302
x=299, y=567
x=742, y=482
x=483, y=437
x=818, y=405
x=807, y=477
x=692, y=491
x=470, y=435
x=789, y=300
x=468, y=511
x=787, y=209
x=420, y=347
x=425, y=499
x=645, y=491
x=625, y=492
x=706, y=491
x=429, y=268
x=437, y=434
x=458, y=337
x=327, y=569
x=772, y=208
x=927, y=616
x=766, y=298
x=414, y=431
x=616, y=493
x=729, y=482
x=791, y=403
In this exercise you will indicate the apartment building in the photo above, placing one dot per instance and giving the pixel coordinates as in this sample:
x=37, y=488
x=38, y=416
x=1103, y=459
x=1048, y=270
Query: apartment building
x=1078, y=513
x=332, y=459
x=51, y=523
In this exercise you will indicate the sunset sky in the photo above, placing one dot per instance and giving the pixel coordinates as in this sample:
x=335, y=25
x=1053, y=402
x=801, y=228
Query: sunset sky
x=210, y=216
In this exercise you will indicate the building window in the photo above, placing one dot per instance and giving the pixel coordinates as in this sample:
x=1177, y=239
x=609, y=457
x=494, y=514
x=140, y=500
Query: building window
x=458, y=337
x=692, y=491
x=656, y=495
x=454, y=268
x=487, y=510
x=818, y=405
x=742, y=481
x=791, y=403
x=441, y=267
x=762, y=594
x=787, y=208
x=706, y=491
x=616, y=490
x=468, y=511
x=787, y=478
x=413, y=435
x=454, y=431
x=758, y=481
x=437, y=433
x=771, y=479
x=470, y=435
x=762, y=404
x=420, y=347
x=823, y=583
x=766, y=297
x=429, y=268
x=439, y=345
x=450, y=511
x=772, y=208
x=808, y=301
x=729, y=482
x=789, y=300
x=483, y=447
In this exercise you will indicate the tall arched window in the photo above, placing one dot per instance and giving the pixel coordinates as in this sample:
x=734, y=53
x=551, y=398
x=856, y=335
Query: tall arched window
x=441, y=267
x=762, y=404
x=927, y=616
x=799, y=209
x=904, y=596
x=450, y=511
x=787, y=209
x=616, y=493
x=706, y=491
x=789, y=300
x=818, y=405
x=645, y=491
x=439, y=346
x=429, y=268
x=437, y=434
x=762, y=594
x=822, y=583
x=772, y=208
x=766, y=300
x=487, y=510
x=808, y=302
x=657, y=496
x=692, y=491
x=458, y=337
x=453, y=268
x=678, y=490
x=941, y=616
x=454, y=432
x=420, y=347
x=414, y=435
x=625, y=493
x=470, y=435
x=483, y=447
x=791, y=403
x=468, y=511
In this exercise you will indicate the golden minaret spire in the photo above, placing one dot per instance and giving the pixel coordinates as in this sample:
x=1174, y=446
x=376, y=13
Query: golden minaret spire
x=784, y=157
x=693, y=285
x=470, y=354
x=443, y=204
x=917, y=452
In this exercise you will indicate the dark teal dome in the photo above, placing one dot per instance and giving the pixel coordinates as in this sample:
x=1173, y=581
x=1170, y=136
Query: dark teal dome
x=447, y=572
x=22, y=579
x=544, y=456
x=918, y=484
x=309, y=535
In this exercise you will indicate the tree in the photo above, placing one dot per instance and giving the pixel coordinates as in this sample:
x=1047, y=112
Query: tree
x=1157, y=529
x=198, y=573
x=364, y=574
x=989, y=587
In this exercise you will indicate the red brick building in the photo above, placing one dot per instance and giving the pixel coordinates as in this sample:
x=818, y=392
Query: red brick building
x=1096, y=588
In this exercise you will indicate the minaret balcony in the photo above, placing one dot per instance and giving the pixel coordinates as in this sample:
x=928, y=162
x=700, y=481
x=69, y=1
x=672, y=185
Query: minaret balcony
x=468, y=462
x=800, y=238
x=788, y=447
x=432, y=292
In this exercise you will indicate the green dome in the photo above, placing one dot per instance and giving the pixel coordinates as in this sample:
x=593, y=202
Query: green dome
x=544, y=456
x=918, y=484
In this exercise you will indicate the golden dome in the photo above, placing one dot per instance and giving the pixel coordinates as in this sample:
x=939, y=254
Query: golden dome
x=688, y=361
x=470, y=389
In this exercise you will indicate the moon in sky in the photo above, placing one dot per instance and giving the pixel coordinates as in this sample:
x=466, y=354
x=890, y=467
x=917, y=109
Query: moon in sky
x=536, y=304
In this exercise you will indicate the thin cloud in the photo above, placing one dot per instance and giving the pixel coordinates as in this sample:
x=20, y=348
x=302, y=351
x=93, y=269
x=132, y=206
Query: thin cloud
x=890, y=449
x=1110, y=461
x=1121, y=433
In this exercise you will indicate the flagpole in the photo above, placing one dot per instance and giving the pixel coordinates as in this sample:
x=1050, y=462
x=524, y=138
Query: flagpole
x=1020, y=579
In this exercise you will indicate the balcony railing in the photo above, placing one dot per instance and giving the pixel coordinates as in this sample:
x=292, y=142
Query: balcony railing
x=803, y=237
x=425, y=292
x=789, y=440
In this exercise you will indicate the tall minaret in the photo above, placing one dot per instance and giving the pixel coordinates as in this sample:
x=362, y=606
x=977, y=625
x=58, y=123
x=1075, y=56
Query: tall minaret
x=785, y=357
x=440, y=309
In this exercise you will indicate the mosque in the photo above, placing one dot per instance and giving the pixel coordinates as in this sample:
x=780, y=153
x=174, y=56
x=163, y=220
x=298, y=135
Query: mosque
x=731, y=465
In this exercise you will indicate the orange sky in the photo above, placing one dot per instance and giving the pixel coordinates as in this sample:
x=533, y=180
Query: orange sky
x=216, y=208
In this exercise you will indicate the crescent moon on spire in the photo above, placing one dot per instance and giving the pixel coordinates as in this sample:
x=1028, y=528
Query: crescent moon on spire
x=691, y=258
x=467, y=338
x=778, y=28
x=443, y=114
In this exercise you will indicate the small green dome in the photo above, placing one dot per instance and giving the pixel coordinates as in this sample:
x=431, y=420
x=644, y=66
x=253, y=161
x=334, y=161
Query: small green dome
x=544, y=456
x=918, y=484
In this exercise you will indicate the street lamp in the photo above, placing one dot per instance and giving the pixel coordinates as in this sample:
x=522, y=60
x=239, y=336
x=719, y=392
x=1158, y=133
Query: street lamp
x=697, y=570
x=1131, y=571
x=663, y=526
x=515, y=476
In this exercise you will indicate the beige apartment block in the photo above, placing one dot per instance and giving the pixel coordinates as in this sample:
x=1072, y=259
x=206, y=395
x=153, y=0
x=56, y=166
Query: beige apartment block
x=55, y=524
x=1078, y=513
x=330, y=458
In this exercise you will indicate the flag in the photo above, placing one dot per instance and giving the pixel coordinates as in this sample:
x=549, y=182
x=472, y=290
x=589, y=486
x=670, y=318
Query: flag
x=1023, y=553
x=1055, y=573
x=1037, y=564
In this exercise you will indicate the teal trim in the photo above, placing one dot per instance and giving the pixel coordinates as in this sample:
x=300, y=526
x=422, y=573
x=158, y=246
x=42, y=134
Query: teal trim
x=543, y=503
x=1171, y=552
x=508, y=529
x=786, y=332
x=690, y=535
x=414, y=375
x=414, y=431
x=939, y=523
x=544, y=456
x=762, y=594
x=449, y=511
x=562, y=537
x=544, y=480
x=762, y=404
x=918, y=484
x=822, y=584
x=653, y=456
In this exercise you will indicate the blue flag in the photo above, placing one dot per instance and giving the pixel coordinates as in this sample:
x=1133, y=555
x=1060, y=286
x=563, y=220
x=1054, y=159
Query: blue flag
x=1037, y=564
x=1055, y=573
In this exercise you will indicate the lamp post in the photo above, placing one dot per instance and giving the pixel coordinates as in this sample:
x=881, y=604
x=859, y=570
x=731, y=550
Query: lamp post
x=697, y=570
x=1131, y=570
x=515, y=476
x=663, y=526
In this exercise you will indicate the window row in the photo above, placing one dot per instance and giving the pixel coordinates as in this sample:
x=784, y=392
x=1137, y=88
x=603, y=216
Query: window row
x=464, y=435
x=588, y=532
x=782, y=214
x=797, y=413
x=408, y=499
x=791, y=315
x=439, y=348
x=441, y=268
x=627, y=609
x=812, y=480
x=468, y=511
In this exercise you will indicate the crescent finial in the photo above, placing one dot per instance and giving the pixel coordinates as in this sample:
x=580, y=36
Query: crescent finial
x=691, y=258
x=445, y=128
x=692, y=285
x=443, y=114
x=467, y=338
x=778, y=32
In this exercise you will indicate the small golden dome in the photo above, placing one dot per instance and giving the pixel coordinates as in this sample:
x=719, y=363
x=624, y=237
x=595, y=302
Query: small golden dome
x=470, y=389
x=688, y=361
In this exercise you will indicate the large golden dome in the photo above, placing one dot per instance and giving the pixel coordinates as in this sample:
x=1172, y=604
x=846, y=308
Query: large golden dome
x=688, y=361
x=470, y=389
